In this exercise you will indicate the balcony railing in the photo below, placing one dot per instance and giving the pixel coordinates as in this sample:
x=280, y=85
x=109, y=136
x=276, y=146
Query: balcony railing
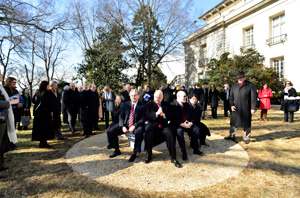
x=277, y=39
x=244, y=48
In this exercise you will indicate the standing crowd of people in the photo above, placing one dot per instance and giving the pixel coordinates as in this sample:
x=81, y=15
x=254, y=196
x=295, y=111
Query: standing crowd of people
x=152, y=116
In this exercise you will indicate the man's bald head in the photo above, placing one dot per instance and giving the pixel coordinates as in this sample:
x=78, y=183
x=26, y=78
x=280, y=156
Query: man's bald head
x=72, y=86
x=181, y=96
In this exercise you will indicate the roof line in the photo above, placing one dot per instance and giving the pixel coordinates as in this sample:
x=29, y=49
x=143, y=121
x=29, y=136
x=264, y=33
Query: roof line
x=212, y=9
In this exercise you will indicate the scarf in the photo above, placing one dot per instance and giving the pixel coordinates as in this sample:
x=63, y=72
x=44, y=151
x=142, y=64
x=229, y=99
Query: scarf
x=109, y=104
x=286, y=90
x=11, y=131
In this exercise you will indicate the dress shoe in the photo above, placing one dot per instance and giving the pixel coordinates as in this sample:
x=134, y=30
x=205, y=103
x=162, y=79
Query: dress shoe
x=229, y=138
x=93, y=134
x=184, y=156
x=109, y=147
x=96, y=129
x=205, y=144
x=45, y=146
x=86, y=136
x=148, y=158
x=247, y=141
x=115, y=153
x=132, y=158
x=3, y=169
x=198, y=152
x=176, y=163
x=62, y=138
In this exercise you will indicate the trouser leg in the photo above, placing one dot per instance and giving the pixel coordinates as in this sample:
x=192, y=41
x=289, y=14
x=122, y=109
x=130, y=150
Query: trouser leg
x=58, y=133
x=247, y=133
x=112, y=136
x=171, y=141
x=195, y=131
x=232, y=131
x=291, y=116
x=180, y=138
x=2, y=143
x=203, y=114
x=71, y=120
x=286, y=116
x=106, y=118
x=139, y=136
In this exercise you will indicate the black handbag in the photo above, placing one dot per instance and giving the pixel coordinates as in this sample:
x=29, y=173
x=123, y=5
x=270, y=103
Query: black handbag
x=292, y=106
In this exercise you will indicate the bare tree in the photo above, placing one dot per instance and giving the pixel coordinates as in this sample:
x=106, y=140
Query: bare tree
x=84, y=21
x=18, y=17
x=50, y=51
x=173, y=18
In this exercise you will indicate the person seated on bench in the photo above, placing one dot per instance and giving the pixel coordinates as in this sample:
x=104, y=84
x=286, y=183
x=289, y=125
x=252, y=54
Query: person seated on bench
x=131, y=119
x=158, y=114
x=195, y=108
x=183, y=122
x=115, y=115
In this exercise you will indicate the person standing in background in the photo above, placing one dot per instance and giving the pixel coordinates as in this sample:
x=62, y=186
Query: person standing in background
x=64, y=110
x=286, y=94
x=214, y=100
x=203, y=99
x=225, y=97
x=26, y=107
x=264, y=94
x=108, y=97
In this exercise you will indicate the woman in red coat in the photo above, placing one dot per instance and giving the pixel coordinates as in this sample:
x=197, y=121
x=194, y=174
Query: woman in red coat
x=264, y=94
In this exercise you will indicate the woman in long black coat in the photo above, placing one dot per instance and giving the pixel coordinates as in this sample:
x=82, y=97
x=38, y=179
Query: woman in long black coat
x=214, y=96
x=42, y=123
x=288, y=91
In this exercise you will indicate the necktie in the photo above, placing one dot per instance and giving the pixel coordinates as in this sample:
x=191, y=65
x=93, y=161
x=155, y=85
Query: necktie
x=158, y=105
x=130, y=122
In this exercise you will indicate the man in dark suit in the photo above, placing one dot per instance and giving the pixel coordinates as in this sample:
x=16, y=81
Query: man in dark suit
x=72, y=101
x=131, y=119
x=203, y=99
x=168, y=94
x=90, y=104
x=193, y=91
x=125, y=93
x=204, y=131
x=183, y=121
x=225, y=97
x=149, y=92
x=214, y=97
x=158, y=113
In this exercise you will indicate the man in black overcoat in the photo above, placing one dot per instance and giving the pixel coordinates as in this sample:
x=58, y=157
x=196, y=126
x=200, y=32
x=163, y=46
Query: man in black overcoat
x=183, y=122
x=214, y=97
x=64, y=111
x=149, y=92
x=193, y=91
x=168, y=94
x=72, y=101
x=195, y=108
x=203, y=99
x=55, y=100
x=243, y=98
x=158, y=114
x=225, y=97
x=125, y=93
x=91, y=104
x=131, y=119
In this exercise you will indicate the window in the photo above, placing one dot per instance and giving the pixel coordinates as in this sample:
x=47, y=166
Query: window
x=278, y=65
x=249, y=41
x=277, y=28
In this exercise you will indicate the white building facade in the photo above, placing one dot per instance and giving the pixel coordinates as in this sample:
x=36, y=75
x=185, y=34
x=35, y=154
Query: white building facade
x=269, y=26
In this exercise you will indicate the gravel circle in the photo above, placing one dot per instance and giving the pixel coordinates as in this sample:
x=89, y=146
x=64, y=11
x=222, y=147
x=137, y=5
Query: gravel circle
x=223, y=159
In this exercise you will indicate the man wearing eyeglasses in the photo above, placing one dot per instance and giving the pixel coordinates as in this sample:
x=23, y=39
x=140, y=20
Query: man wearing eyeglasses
x=183, y=122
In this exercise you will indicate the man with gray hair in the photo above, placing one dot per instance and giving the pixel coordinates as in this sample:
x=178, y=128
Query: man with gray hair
x=125, y=93
x=72, y=101
x=108, y=97
x=131, y=119
x=225, y=97
x=183, y=122
x=56, y=107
